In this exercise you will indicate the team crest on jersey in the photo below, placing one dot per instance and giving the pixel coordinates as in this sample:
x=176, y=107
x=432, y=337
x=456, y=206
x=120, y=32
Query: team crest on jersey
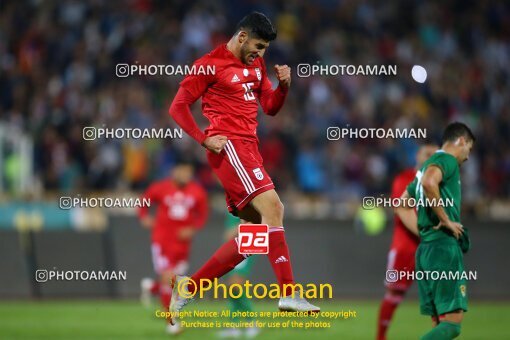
x=258, y=174
x=259, y=75
x=179, y=205
x=463, y=290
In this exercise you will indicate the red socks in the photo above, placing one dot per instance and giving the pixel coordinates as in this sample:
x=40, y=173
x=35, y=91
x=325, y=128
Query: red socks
x=388, y=307
x=227, y=257
x=279, y=258
x=222, y=261
x=164, y=296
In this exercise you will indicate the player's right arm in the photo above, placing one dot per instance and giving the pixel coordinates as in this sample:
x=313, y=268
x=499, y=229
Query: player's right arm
x=430, y=183
x=192, y=88
x=146, y=219
x=273, y=100
x=405, y=213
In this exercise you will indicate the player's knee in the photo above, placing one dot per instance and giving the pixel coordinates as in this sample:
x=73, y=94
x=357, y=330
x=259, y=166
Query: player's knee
x=279, y=209
x=271, y=209
x=275, y=213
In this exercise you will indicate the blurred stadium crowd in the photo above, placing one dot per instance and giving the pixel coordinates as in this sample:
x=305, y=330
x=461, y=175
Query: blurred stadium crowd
x=57, y=75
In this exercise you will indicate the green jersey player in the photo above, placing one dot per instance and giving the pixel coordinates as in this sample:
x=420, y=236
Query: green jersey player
x=437, y=188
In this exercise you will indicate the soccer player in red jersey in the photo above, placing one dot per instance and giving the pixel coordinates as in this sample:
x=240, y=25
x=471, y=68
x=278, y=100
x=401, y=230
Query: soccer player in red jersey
x=182, y=209
x=403, y=247
x=230, y=101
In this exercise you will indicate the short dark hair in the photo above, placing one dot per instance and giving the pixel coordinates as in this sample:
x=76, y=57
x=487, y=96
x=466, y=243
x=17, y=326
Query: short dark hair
x=258, y=26
x=456, y=130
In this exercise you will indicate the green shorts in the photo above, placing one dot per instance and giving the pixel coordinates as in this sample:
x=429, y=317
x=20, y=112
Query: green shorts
x=442, y=295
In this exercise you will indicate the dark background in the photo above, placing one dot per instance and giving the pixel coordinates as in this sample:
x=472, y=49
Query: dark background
x=58, y=75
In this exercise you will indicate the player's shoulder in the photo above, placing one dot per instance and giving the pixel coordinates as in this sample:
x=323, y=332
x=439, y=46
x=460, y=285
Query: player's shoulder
x=216, y=57
x=441, y=159
x=197, y=187
x=401, y=181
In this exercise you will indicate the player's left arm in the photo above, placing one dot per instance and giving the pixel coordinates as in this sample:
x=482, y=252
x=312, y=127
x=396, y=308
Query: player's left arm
x=430, y=181
x=272, y=100
x=190, y=90
x=407, y=214
x=145, y=217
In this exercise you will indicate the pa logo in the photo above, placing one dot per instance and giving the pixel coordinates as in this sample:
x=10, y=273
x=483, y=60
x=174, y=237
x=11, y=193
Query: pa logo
x=258, y=174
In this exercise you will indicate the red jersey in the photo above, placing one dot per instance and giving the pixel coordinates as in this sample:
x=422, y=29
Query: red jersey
x=402, y=237
x=229, y=96
x=177, y=207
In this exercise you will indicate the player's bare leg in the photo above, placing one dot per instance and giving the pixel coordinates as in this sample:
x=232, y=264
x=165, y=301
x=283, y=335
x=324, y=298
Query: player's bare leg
x=270, y=208
x=448, y=326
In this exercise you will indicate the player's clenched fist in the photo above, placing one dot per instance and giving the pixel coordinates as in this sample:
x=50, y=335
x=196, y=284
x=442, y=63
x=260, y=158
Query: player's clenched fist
x=283, y=74
x=215, y=143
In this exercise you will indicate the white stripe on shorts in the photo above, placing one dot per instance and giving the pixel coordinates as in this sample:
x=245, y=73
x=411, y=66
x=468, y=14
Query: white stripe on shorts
x=238, y=166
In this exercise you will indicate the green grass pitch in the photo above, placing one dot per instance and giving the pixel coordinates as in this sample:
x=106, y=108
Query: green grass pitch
x=87, y=319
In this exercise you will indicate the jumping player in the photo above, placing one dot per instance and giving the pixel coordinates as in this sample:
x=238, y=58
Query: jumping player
x=182, y=209
x=230, y=100
x=403, y=247
x=443, y=238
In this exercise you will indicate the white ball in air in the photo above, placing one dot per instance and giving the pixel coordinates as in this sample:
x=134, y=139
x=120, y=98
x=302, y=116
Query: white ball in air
x=419, y=73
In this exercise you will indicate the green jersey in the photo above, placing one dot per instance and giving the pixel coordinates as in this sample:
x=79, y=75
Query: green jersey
x=450, y=198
